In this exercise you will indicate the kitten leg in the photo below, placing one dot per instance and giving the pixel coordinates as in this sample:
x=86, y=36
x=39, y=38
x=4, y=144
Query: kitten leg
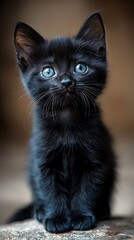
x=57, y=224
x=58, y=218
x=85, y=200
x=53, y=222
x=53, y=208
x=54, y=215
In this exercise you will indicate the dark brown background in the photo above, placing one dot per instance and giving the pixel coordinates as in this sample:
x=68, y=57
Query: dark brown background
x=61, y=17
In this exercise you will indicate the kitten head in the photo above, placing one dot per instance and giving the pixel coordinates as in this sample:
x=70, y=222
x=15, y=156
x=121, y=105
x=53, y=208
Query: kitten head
x=63, y=72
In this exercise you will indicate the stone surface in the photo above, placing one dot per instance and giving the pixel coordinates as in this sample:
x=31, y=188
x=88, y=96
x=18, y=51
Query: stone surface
x=117, y=228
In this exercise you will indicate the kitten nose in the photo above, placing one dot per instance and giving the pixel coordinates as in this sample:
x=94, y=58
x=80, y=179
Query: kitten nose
x=66, y=82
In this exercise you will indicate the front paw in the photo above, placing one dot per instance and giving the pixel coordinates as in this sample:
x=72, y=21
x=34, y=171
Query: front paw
x=83, y=222
x=58, y=224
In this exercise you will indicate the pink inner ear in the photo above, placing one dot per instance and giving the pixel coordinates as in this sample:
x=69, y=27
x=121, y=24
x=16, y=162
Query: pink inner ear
x=22, y=41
x=24, y=47
x=96, y=29
x=93, y=29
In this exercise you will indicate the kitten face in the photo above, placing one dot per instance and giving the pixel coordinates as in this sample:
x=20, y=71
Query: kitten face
x=64, y=72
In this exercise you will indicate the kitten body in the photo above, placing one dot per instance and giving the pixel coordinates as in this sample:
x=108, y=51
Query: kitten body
x=71, y=165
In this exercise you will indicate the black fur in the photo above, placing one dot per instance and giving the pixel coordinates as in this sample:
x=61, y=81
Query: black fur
x=71, y=167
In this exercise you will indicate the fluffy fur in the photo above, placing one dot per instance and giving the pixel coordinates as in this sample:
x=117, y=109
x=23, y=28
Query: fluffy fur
x=71, y=165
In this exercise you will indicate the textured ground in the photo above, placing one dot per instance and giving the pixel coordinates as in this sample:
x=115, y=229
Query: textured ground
x=118, y=229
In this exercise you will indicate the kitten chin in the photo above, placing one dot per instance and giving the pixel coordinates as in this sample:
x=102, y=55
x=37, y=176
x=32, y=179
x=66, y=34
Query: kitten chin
x=66, y=115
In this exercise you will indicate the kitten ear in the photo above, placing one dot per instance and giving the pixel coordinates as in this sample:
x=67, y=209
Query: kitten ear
x=93, y=30
x=26, y=39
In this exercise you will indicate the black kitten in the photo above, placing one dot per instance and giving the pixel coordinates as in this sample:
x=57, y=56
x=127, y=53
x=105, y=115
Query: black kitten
x=71, y=162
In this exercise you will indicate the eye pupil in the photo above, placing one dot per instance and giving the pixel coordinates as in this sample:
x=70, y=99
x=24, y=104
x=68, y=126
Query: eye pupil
x=48, y=72
x=81, y=68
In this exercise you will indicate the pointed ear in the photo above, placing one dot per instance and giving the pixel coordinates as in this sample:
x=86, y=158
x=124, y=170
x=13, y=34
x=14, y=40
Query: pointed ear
x=25, y=39
x=93, y=30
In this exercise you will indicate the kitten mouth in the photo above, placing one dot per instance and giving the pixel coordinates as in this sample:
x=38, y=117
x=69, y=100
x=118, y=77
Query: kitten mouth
x=68, y=91
x=68, y=96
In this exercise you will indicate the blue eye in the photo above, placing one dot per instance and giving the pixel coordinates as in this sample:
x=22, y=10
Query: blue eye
x=81, y=68
x=48, y=72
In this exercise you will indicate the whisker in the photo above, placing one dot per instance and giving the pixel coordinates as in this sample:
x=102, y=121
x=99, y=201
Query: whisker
x=18, y=91
x=27, y=110
x=86, y=98
x=88, y=94
x=84, y=84
x=85, y=102
x=47, y=105
x=75, y=104
x=53, y=109
x=96, y=91
x=41, y=97
x=19, y=98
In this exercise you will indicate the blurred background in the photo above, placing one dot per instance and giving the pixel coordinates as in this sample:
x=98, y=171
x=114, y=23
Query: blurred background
x=62, y=17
